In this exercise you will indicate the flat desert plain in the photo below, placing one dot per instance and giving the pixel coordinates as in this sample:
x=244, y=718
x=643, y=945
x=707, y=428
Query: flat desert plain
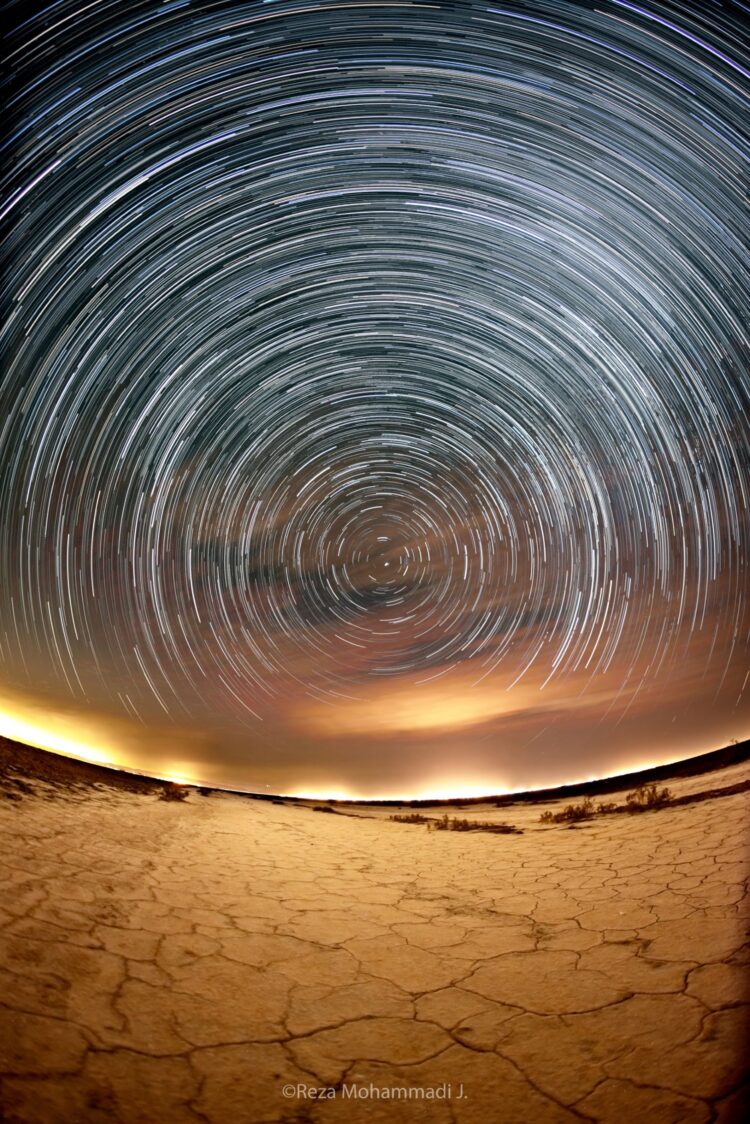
x=233, y=960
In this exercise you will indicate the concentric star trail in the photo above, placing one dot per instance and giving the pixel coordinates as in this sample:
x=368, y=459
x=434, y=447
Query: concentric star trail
x=358, y=346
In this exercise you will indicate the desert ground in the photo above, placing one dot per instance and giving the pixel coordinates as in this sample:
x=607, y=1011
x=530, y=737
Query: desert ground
x=233, y=960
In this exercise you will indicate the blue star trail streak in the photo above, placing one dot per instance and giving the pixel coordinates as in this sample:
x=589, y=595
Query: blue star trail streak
x=356, y=350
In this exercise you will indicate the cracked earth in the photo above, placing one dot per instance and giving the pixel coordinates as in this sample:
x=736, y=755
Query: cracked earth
x=179, y=962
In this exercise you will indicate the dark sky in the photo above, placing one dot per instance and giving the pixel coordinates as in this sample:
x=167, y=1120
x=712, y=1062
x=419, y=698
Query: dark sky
x=374, y=410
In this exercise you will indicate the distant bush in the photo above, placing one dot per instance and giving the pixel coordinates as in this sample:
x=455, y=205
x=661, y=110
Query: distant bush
x=324, y=808
x=647, y=796
x=410, y=817
x=573, y=813
x=446, y=823
x=173, y=792
x=644, y=797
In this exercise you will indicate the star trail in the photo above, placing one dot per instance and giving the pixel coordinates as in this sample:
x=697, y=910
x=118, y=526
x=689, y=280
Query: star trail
x=375, y=383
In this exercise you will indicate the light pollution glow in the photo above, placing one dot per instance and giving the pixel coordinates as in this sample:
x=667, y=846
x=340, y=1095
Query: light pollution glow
x=88, y=741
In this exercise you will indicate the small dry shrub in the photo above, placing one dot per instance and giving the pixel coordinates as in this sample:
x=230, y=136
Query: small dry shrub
x=446, y=823
x=573, y=813
x=173, y=792
x=644, y=797
x=410, y=817
x=604, y=808
x=647, y=796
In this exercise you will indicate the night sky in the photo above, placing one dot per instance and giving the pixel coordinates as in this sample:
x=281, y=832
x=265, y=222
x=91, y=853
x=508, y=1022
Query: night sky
x=374, y=403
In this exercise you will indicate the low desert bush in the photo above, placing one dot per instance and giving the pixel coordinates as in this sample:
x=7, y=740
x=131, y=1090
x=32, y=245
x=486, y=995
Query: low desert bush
x=448, y=823
x=606, y=807
x=410, y=817
x=647, y=796
x=173, y=792
x=573, y=813
x=644, y=797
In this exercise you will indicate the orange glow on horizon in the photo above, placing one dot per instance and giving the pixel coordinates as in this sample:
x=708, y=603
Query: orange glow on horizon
x=30, y=732
x=87, y=741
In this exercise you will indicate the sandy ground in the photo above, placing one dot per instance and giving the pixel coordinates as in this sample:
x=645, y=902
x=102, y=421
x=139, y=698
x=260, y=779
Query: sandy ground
x=231, y=960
